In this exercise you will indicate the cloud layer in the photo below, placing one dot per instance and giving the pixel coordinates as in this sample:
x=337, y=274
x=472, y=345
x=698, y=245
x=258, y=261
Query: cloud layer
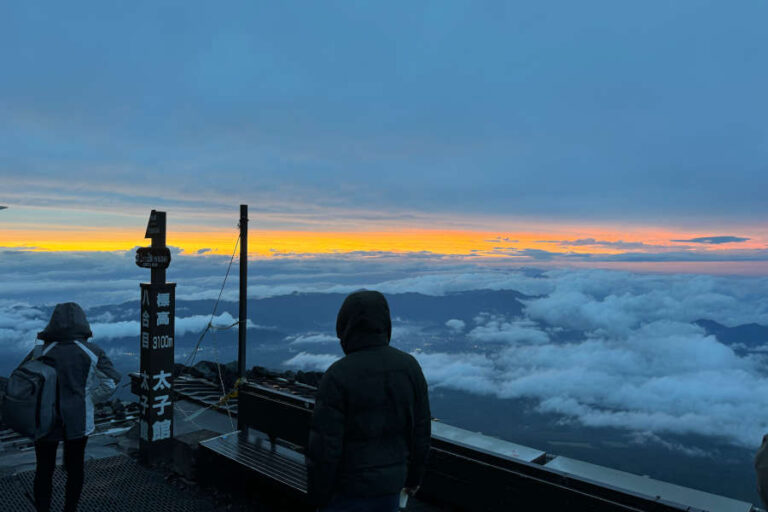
x=632, y=357
x=361, y=91
x=601, y=348
x=715, y=240
x=310, y=339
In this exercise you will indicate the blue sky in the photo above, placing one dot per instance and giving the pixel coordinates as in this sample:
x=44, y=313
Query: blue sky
x=431, y=113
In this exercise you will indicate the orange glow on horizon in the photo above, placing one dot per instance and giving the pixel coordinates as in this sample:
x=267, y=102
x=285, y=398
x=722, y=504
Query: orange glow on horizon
x=265, y=243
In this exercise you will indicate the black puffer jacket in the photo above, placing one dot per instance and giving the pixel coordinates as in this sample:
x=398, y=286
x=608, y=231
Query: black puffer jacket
x=371, y=424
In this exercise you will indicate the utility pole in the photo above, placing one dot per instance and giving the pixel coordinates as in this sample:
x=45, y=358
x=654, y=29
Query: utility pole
x=242, y=321
x=243, y=315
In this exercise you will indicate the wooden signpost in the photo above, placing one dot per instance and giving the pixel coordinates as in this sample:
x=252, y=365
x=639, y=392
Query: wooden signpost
x=158, y=305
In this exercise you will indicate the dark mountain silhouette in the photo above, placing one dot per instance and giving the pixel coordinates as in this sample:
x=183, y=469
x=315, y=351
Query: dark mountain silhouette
x=299, y=312
x=750, y=335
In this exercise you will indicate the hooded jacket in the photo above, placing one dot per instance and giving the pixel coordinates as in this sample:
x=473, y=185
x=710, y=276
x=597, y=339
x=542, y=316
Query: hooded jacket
x=77, y=363
x=371, y=424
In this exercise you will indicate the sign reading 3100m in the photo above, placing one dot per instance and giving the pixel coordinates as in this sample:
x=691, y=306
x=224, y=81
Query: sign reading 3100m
x=153, y=257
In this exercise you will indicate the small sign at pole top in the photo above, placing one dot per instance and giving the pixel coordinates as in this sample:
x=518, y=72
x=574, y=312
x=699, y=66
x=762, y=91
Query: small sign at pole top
x=153, y=227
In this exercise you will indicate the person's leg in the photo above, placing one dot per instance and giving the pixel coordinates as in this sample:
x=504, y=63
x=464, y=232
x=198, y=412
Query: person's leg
x=45, y=455
x=74, y=460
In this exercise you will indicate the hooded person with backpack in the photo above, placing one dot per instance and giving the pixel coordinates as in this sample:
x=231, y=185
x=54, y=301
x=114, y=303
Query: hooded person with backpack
x=371, y=425
x=83, y=374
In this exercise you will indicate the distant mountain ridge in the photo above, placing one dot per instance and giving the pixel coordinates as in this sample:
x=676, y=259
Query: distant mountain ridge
x=302, y=311
x=750, y=335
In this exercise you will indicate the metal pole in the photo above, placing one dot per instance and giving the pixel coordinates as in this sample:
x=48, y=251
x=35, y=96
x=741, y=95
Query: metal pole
x=242, y=320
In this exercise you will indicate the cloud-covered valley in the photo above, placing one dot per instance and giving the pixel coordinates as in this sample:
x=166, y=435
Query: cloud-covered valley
x=611, y=349
x=598, y=348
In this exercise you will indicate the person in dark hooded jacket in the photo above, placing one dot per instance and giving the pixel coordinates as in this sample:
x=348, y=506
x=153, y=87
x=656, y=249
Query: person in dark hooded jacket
x=371, y=425
x=79, y=367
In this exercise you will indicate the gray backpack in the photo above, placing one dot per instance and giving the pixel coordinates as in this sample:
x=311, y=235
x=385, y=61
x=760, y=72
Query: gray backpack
x=29, y=406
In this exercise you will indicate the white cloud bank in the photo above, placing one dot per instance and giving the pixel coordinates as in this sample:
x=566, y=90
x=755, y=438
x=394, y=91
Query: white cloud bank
x=314, y=362
x=493, y=328
x=456, y=325
x=99, y=278
x=639, y=362
x=621, y=301
x=635, y=361
x=20, y=323
x=184, y=325
x=311, y=339
x=664, y=376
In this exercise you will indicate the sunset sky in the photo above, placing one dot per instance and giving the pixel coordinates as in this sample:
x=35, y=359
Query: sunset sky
x=565, y=202
x=585, y=133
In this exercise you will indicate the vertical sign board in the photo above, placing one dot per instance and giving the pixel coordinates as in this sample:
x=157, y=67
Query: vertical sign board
x=157, y=333
x=158, y=304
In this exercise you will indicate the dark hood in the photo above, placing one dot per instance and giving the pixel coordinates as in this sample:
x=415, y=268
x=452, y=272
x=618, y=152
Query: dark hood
x=363, y=321
x=67, y=323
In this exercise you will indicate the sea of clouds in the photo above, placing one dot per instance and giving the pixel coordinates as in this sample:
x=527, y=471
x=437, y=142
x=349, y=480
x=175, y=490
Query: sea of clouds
x=634, y=357
x=640, y=362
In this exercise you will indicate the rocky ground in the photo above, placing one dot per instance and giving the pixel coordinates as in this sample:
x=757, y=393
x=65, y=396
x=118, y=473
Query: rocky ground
x=210, y=371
